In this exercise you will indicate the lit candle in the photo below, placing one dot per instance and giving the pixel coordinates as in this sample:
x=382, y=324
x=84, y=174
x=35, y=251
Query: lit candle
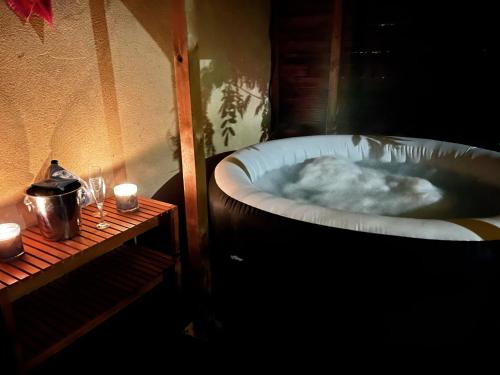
x=126, y=197
x=10, y=241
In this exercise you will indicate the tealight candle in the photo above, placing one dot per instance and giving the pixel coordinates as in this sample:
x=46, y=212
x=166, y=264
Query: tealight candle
x=10, y=241
x=126, y=197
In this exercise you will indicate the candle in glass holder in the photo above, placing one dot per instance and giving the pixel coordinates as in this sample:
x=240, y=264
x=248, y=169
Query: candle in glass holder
x=126, y=197
x=10, y=241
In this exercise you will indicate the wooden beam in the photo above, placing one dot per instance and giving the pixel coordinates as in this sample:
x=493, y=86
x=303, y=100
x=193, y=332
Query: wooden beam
x=275, y=69
x=333, y=88
x=192, y=153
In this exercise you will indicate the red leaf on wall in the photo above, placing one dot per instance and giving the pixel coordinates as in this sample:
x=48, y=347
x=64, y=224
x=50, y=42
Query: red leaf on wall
x=44, y=9
x=21, y=7
x=25, y=8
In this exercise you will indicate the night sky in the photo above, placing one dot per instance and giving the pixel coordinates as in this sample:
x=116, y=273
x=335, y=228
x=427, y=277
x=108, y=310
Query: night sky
x=420, y=69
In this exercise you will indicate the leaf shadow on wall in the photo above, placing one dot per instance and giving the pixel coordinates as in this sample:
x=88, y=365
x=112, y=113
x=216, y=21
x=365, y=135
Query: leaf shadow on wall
x=226, y=31
x=230, y=43
x=237, y=92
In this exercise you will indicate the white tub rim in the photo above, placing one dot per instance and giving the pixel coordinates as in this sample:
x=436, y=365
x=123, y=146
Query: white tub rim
x=235, y=174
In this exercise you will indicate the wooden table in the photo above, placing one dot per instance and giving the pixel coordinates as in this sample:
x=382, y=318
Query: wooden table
x=46, y=306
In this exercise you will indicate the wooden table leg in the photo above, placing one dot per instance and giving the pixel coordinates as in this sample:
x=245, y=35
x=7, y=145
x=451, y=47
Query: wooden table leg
x=10, y=350
x=174, y=245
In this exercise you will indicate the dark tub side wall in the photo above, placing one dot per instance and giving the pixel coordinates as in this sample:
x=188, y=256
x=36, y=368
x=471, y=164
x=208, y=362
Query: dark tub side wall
x=296, y=281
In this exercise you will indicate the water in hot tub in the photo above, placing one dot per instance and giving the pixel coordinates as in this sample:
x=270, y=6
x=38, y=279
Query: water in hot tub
x=392, y=189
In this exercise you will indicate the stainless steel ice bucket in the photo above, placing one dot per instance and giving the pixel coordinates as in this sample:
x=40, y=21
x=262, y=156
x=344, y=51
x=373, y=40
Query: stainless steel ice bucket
x=58, y=215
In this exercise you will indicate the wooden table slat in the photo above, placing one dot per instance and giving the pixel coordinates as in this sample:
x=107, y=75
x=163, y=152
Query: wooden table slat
x=112, y=204
x=144, y=210
x=35, y=261
x=13, y=271
x=143, y=205
x=90, y=236
x=150, y=206
x=76, y=243
x=45, y=310
x=92, y=221
x=34, y=236
x=140, y=212
x=125, y=217
x=39, y=254
x=147, y=264
x=24, y=266
x=98, y=232
x=44, y=247
x=114, y=218
x=59, y=296
x=7, y=279
x=156, y=203
x=77, y=293
x=81, y=242
x=134, y=268
x=136, y=215
x=158, y=256
x=149, y=209
x=123, y=224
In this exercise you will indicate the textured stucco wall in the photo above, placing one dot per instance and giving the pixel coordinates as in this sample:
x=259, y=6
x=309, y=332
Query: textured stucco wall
x=97, y=88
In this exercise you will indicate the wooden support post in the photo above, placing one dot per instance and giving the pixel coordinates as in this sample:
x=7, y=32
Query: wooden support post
x=192, y=155
x=333, y=88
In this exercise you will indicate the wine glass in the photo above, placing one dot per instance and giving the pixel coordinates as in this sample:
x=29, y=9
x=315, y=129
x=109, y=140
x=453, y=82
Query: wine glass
x=98, y=190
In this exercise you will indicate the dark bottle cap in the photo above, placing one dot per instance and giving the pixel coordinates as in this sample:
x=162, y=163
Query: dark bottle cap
x=54, y=162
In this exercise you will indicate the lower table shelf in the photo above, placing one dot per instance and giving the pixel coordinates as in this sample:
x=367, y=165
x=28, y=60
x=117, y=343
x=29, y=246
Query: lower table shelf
x=54, y=316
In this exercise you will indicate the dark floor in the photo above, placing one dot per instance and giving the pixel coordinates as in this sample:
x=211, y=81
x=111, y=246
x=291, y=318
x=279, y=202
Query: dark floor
x=147, y=336
x=153, y=336
x=281, y=319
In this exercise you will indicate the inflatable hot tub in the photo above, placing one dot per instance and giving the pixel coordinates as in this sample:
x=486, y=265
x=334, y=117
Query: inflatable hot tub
x=400, y=234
